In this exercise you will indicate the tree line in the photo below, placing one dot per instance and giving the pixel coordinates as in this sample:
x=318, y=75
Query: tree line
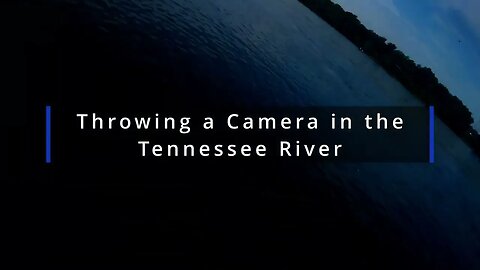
x=419, y=80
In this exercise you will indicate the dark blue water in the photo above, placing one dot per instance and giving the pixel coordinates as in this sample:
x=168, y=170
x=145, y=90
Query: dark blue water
x=277, y=53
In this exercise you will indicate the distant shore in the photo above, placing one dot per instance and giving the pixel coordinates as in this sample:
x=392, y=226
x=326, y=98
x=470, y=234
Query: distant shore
x=419, y=80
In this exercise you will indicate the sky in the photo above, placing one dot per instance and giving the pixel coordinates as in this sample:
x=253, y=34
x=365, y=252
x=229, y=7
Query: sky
x=443, y=35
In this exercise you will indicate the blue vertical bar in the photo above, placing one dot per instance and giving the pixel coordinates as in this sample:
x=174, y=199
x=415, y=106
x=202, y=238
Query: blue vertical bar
x=432, y=135
x=48, y=134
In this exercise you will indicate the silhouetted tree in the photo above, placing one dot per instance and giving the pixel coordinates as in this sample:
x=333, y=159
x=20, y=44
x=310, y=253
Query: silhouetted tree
x=421, y=81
